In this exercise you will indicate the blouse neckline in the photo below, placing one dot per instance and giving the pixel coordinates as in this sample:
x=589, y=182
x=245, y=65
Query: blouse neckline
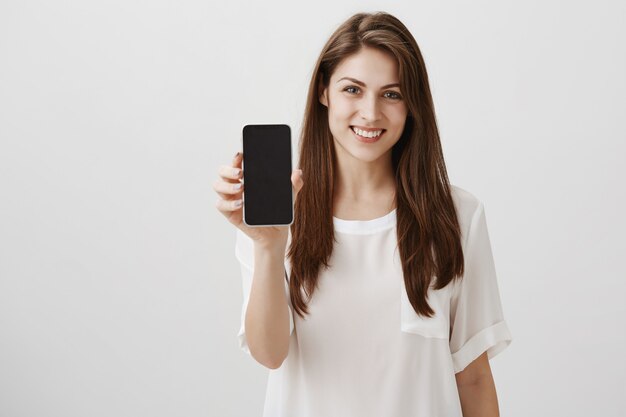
x=361, y=227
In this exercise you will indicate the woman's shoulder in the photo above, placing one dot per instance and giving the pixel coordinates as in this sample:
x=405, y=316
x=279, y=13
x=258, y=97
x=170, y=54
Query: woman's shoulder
x=467, y=204
x=464, y=200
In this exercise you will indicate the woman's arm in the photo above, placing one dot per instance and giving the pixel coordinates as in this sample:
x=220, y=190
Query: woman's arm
x=477, y=390
x=267, y=315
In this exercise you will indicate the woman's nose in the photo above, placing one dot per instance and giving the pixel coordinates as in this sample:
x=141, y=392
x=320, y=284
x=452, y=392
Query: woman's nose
x=370, y=108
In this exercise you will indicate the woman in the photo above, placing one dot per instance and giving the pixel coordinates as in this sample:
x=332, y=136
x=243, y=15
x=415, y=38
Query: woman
x=389, y=267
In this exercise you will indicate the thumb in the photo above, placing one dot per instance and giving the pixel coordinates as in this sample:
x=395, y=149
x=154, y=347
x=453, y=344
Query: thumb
x=296, y=180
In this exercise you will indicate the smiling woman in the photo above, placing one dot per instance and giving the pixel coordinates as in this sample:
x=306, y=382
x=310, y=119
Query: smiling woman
x=373, y=113
x=390, y=306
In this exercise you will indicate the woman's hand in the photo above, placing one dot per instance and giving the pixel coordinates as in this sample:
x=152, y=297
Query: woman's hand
x=230, y=204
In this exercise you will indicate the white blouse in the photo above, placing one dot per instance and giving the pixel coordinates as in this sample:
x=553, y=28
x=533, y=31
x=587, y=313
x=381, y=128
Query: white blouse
x=363, y=351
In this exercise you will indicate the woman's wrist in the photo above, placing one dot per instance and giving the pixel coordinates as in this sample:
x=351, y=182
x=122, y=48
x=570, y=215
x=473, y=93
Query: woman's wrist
x=269, y=249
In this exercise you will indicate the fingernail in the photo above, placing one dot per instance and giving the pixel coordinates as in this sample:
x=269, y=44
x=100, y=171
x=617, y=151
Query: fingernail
x=237, y=154
x=237, y=186
x=236, y=171
x=238, y=203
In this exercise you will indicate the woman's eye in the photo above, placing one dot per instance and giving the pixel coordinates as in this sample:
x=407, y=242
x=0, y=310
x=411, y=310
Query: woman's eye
x=395, y=95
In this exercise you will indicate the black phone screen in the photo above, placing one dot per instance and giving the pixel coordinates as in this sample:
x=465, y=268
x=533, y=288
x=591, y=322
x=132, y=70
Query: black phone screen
x=267, y=191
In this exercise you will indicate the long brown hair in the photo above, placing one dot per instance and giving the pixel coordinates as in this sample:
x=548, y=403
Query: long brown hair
x=428, y=232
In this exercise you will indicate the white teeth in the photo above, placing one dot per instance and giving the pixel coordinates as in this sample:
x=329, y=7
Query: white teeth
x=367, y=134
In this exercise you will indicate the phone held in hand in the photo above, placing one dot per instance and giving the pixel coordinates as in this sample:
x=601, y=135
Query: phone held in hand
x=268, y=193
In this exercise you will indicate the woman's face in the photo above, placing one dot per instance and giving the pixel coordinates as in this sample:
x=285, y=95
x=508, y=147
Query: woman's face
x=364, y=93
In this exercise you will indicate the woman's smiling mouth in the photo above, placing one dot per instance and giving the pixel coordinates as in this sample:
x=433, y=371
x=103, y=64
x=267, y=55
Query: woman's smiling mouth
x=367, y=136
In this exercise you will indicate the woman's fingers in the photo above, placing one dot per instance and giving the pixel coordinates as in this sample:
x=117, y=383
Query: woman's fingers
x=227, y=189
x=229, y=184
x=230, y=173
x=296, y=180
x=226, y=206
x=230, y=188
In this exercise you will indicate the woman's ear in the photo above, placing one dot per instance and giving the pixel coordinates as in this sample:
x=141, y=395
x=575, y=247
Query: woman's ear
x=322, y=94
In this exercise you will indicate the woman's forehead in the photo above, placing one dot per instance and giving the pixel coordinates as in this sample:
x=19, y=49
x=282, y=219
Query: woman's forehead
x=370, y=66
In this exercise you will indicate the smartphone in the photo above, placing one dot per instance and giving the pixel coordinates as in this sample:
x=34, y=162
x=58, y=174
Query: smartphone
x=267, y=192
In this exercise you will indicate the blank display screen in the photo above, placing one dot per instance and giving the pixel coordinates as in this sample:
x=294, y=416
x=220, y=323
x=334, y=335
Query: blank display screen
x=267, y=191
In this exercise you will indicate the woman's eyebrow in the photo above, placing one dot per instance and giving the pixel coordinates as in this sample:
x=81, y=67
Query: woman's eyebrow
x=362, y=84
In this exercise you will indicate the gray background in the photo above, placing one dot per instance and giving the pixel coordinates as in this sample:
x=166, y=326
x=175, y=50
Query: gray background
x=119, y=291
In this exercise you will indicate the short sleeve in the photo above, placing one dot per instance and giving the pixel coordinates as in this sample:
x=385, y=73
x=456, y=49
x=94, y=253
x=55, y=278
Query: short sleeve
x=476, y=317
x=244, y=252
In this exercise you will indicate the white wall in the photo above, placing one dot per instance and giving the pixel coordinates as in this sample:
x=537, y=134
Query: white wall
x=119, y=289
